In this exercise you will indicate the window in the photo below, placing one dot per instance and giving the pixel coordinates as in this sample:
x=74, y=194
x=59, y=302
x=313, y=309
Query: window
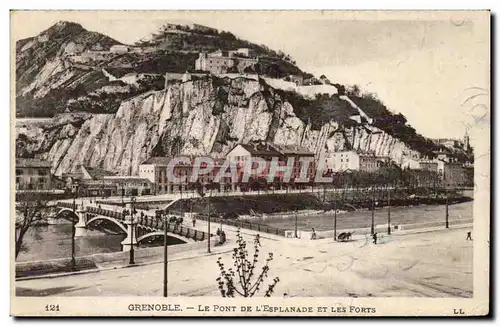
x=19, y=172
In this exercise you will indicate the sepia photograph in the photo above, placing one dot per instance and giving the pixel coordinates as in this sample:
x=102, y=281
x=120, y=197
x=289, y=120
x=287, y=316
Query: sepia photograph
x=250, y=163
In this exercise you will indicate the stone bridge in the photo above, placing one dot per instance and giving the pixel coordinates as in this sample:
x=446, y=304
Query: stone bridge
x=143, y=226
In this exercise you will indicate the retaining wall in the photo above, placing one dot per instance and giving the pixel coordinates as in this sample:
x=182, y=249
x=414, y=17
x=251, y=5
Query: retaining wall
x=141, y=255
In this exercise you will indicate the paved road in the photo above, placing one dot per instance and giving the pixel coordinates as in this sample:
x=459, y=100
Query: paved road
x=434, y=264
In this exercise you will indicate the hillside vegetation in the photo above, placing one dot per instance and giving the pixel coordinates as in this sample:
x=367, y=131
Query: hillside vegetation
x=69, y=69
x=61, y=68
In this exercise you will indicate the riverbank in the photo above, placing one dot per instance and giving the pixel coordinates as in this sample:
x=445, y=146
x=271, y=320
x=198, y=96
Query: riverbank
x=268, y=203
x=362, y=219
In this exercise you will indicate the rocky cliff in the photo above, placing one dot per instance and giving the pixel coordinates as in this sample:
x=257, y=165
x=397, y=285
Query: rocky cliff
x=199, y=117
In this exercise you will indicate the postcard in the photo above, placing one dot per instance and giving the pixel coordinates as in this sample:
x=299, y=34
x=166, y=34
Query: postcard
x=250, y=163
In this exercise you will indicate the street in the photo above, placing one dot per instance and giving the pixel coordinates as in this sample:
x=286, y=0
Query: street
x=432, y=264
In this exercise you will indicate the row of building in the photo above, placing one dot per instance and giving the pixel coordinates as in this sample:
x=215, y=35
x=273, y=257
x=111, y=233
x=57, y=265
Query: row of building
x=34, y=174
x=155, y=168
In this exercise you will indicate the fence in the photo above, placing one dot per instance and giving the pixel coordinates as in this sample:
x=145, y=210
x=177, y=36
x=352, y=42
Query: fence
x=243, y=224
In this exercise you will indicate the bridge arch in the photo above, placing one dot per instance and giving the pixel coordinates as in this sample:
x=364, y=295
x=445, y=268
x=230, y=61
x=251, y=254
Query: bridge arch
x=100, y=217
x=171, y=203
x=161, y=233
x=62, y=210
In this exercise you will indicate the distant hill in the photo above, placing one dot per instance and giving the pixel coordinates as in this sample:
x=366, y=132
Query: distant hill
x=62, y=38
x=193, y=38
x=64, y=64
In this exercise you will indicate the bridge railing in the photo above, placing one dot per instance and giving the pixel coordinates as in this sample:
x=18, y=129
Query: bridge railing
x=152, y=222
x=145, y=221
x=243, y=224
x=67, y=205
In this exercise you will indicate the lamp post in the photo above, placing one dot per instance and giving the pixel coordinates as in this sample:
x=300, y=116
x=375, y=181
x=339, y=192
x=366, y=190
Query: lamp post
x=388, y=210
x=335, y=218
x=132, y=230
x=165, y=255
x=373, y=211
x=446, y=213
x=296, y=226
x=123, y=194
x=73, y=260
x=209, y=220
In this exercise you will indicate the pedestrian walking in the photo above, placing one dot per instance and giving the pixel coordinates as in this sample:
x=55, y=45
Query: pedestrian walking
x=313, y=235
x=257, y=240
x=469, y=236
x=374, y=238
x=194, y=222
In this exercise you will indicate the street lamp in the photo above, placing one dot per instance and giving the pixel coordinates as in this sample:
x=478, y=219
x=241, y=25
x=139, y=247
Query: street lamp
x=132, y=230
x=446, y=213
x=165, y=254
x=123, y=193
x=209, y=220
x=388, y=210
x=338, y=176
x=373, y=211
x=335, y=217
x=73, y=260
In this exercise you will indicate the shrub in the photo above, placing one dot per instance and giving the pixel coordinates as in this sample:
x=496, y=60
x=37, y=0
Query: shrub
x=247, y=283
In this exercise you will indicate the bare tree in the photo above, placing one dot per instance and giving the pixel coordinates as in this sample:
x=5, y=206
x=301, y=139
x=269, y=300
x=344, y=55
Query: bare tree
x=28, y=215
x=246, y=284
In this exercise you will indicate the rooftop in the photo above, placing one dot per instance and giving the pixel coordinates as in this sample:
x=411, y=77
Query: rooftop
x=260, y=149
x=157, y=160
x=292, y=150
x=162, y=161
x=97, y=173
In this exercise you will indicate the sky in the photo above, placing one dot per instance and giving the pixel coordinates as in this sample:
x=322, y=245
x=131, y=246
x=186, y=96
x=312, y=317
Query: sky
x=425, y=65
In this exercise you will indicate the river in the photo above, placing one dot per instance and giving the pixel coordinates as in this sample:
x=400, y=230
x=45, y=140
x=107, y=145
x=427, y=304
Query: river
x=362, y=218
x=54, y=241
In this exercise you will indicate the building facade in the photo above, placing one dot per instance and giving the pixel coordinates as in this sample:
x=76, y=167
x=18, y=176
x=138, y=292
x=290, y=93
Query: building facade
x=97, y=182
x=154, y=170
x=131, y=185
x=33, y=174
x=242, y=153
x=411, y=163
x=427, y=165
x=454, y=175
x=221, y=62
x=298, y=80
x=352, y=161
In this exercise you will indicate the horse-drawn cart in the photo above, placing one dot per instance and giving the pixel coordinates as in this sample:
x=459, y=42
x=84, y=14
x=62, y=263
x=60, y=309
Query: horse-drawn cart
x=344, y=236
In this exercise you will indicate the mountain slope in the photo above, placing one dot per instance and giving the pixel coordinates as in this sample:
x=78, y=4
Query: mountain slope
x=66, y=62
x=63, y=38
